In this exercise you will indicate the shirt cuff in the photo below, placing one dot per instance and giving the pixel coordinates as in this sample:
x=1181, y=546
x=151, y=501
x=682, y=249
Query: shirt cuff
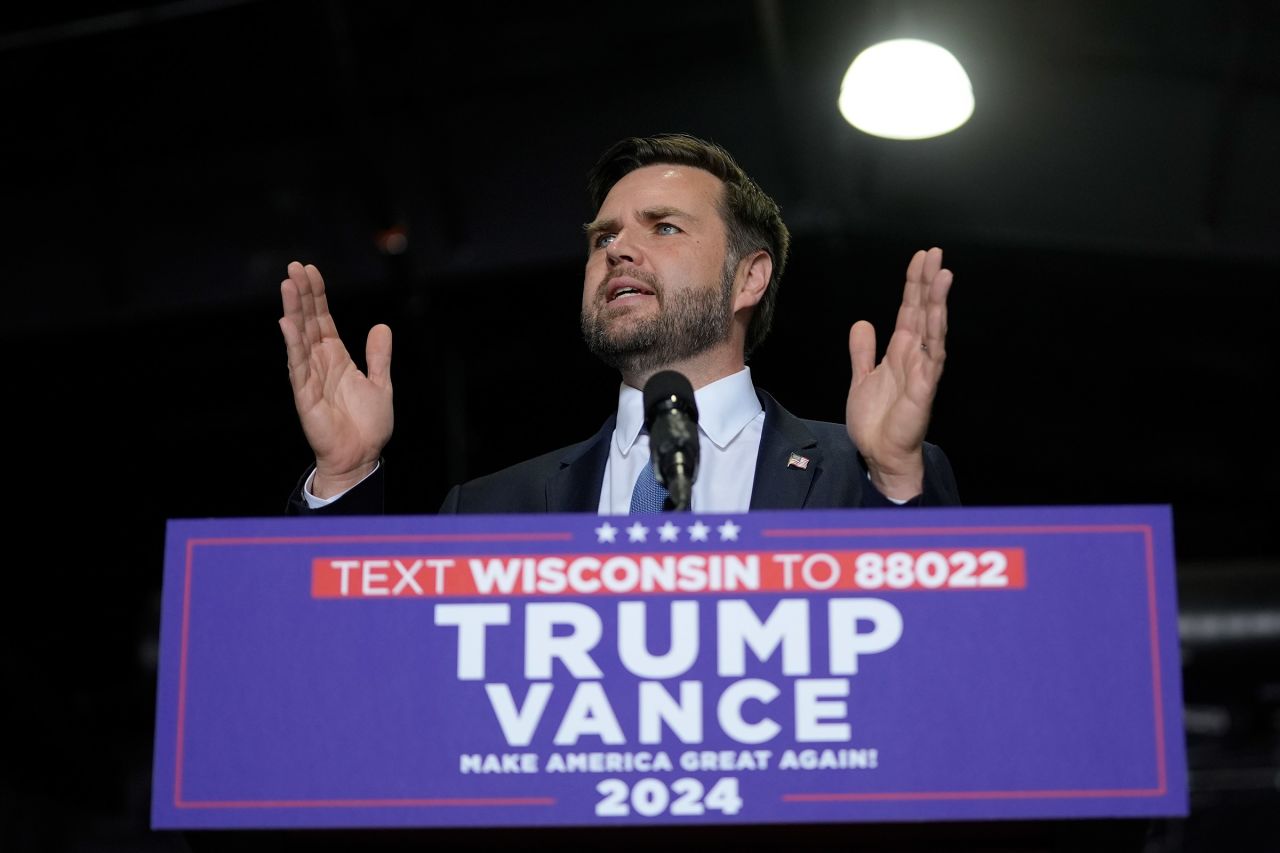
x=880, y=496
x=314, y=502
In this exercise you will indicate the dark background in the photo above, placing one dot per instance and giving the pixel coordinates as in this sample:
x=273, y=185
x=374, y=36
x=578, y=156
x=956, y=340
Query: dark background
x=1110, y=213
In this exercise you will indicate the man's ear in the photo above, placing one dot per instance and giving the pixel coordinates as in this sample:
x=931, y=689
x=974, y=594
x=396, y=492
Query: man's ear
x=752, y=279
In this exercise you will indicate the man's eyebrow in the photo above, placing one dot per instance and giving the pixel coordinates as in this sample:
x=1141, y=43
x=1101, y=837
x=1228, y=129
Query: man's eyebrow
x=648, y=214
x=598, y=226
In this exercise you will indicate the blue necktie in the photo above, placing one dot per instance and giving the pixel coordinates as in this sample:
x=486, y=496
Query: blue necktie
x=649, y=495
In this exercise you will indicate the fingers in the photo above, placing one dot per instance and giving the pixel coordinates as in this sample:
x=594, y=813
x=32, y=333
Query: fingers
x=932, y=263
x=913, y=290
x=377, y=355
x=936, y=283
x=294, y=297
x=862, y=350
x=324, y=320
x=306, y=302
x=926, y=285
x=935, y=335
x=924, y=267
x=296, y=348
x=909, y=319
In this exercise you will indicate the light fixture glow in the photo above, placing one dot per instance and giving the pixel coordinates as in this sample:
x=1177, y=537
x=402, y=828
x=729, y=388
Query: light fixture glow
x=906, y=89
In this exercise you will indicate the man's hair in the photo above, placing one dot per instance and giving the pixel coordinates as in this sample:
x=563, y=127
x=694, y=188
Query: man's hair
x=752, y=219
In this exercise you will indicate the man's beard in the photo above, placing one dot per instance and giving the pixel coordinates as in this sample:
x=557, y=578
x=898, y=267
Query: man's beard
x=691, y=322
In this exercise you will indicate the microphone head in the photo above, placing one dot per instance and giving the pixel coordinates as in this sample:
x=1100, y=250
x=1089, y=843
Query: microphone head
x=667, y=390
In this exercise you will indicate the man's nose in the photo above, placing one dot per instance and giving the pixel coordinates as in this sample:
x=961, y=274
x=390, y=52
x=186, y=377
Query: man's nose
x=623, y=249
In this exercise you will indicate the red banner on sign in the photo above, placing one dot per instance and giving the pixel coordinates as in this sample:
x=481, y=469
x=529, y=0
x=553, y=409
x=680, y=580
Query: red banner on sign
x=666, y=573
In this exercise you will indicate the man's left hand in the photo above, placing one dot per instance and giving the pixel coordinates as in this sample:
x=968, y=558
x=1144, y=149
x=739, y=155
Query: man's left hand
x=889, y=403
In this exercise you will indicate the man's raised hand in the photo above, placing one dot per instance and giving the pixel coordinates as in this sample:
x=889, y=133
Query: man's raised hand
x=346, y=416
x=889, y=403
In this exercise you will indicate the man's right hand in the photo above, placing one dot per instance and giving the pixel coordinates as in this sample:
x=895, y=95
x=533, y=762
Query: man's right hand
x=346, y=416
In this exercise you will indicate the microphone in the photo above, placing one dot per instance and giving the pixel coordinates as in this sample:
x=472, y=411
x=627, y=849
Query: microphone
x=671, y=416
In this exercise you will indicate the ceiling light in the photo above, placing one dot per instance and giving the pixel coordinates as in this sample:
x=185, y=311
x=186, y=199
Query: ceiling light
x=906, y=89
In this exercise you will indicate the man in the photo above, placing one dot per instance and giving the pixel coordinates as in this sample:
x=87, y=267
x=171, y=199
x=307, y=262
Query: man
x=684, y=260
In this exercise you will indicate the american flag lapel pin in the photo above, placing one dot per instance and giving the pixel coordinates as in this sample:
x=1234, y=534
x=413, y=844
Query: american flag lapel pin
x=798, y=461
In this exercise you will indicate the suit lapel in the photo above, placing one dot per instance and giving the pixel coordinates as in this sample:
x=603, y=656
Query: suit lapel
x=576, y=486
x=779, y=485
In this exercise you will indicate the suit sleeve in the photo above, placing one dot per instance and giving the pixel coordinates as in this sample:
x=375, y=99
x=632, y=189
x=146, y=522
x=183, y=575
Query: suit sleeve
x=451, y=501
x=366, y=498
x=939, y=484
x=939, y=481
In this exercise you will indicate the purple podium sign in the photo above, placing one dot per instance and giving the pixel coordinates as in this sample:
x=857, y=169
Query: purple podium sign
x=569, y=670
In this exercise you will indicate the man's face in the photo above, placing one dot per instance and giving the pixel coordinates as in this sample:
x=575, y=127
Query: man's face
x=657, y=289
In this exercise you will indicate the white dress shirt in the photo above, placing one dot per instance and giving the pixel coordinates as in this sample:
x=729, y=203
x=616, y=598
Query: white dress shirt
x=730, y=423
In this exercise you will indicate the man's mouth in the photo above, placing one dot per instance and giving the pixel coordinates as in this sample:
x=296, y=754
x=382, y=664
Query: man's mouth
x=624, y=287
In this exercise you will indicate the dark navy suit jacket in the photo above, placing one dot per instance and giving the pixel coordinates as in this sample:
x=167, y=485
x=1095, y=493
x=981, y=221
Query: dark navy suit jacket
x=569, y=480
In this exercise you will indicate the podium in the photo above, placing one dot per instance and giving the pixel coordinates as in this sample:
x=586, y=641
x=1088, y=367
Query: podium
x=775, y=670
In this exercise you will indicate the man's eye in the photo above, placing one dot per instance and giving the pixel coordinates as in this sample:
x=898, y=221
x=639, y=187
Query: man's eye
x=603, y=240
x=667, y=228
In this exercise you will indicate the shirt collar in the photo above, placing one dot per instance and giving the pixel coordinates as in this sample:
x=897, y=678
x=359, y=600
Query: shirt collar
x=725, y=407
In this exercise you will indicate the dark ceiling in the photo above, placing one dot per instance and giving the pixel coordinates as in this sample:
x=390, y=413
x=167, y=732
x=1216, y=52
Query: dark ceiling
x=221, y=138
x=1110, y=213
